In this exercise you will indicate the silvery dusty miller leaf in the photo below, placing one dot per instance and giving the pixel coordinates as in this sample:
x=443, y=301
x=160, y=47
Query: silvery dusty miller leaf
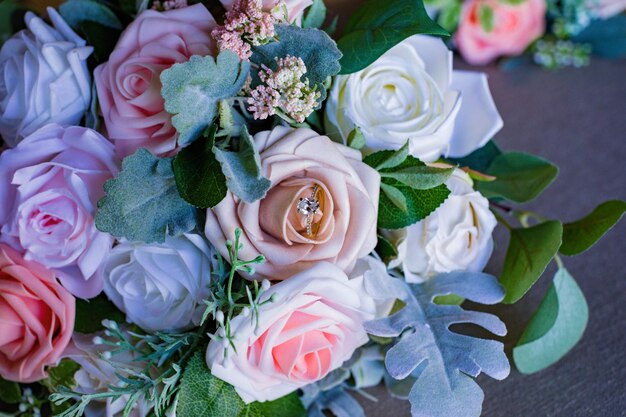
x=142, y=203
x=439, y=363
x=193, y=89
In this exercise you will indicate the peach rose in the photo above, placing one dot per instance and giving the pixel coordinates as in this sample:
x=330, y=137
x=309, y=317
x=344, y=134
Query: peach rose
x=296, y=161
x=312, y=326
x=514, y=27
x=36, y=318
x=128, y=85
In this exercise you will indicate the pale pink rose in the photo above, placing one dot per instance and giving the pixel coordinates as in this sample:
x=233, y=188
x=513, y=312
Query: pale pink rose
x=313, y=324
x=36, y=318
x=295, y=8
x=515, y=26
x=128, y=84
x=50, y=184
x=295, y=160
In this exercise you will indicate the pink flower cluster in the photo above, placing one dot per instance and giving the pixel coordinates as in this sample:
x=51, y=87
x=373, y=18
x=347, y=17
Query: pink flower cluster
x=163, y=6
x=284, y=89
x=246, y=25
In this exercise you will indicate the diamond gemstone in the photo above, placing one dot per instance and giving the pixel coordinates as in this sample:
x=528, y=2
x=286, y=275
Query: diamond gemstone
x=308, y=206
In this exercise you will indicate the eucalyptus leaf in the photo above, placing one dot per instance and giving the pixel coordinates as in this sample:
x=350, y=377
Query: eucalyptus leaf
x=338, y=401
x=242, y=169
x=315, y=16
x=10, y=392
x=583, y=234
x=74, y=12
x=529, y=253
x=193, y=89
x=317, y=50
x=520, y=177
x=555, y=328
x=90, y=313
x=142, y=203
x=438, y=363
x=372, y=30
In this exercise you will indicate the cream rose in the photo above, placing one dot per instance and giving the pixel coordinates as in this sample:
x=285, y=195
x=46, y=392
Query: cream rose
x=457, y=236
x=312, y=326
x=411, y=93
x=43, y=78
x=296, y=161
x=160, y=286
x=295, y=8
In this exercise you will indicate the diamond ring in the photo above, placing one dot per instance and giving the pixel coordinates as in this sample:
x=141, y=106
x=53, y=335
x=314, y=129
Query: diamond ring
x=309, y=206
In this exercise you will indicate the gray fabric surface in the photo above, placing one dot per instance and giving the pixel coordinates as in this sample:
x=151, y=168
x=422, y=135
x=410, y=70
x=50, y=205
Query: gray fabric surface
x=577, y=119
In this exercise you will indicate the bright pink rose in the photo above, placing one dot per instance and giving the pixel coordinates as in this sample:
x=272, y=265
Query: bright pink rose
x=129, y=87
x=515, y=26
x=36, y=318
x=343, y=228
x=50, y=184
x=312, y=326
x=295, y=8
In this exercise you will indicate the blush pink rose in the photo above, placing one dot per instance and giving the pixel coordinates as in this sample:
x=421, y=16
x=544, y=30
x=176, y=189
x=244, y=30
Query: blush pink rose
x=295, y=8
x=128, y=85
x=515, y=26
x=295, y=160
x=313, y=324
x=50, y=184
x=36, y=318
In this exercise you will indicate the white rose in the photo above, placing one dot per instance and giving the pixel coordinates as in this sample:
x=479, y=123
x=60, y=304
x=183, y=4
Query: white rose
x=43, y=78
x=97, y=374
x=411, y=93
x=457, y=236
x=312, y=326
x=606, y=8
x=160, y=286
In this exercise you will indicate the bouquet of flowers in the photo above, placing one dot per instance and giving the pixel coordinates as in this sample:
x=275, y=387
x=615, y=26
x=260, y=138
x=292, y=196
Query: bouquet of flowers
x=215, y=209
x=554, y=33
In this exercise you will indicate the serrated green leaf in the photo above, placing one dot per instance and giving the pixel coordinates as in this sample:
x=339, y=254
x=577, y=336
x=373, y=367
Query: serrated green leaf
x=318, y=51
x=529, y=253
x=480, y=159
x=198, y=173
x=520, y=177
x=395, y=196
x=555, y=328
x=315, y=16
x=420, y=203
x=90, y=313
x=142, y=203
x=193, y=89
x=418, y=176
x=372, y=30
x=356, y=140
x=387, y=159
x=242, y=169
x=485, y=17
x=10, y=392
x=203, y=395
x=77, y=11
x=583, y=234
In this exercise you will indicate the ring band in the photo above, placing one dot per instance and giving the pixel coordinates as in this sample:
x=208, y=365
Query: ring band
x=309, y=206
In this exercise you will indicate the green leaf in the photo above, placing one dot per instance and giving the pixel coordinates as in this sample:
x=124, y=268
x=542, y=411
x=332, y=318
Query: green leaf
x=485, y=16
x=385, y=249
x=198, y=173
x=102, y=38
x=76, y=12
x=520, y=177
x=420, y=203
x=555, y=328
x=449, y=16
x=193, y=89
x=607, y=37
x=374, y=29
x=11, y=19
x=90, y=313
x=387, y=159
x=395, y=196
x=529, y=253
x=142, y=203
x=10, y=392
x=203, y=395
x=356, y=140
x=419, y=177
x=242, y=169
x=62, y=375
x=316, y=15
x=584, y=233
x=318, y=51
x=480, y=159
